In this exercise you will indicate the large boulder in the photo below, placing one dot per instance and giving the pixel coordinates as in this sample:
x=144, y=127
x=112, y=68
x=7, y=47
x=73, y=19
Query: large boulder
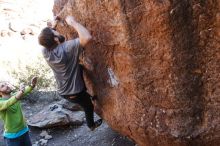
x=56, y=115
x=155, y=66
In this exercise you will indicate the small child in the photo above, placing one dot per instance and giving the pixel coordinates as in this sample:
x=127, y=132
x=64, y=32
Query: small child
x=15, y=127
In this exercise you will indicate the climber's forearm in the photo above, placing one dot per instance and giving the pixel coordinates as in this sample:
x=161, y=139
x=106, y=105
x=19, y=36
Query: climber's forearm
x=84, y=35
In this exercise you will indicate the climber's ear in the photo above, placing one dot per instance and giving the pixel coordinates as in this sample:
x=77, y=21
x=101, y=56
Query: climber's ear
x=56, y=39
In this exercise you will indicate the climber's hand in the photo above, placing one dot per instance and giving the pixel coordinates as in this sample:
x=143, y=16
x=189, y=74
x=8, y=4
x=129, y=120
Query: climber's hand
x=52, y=24
x=49, y=23
x=70, y=20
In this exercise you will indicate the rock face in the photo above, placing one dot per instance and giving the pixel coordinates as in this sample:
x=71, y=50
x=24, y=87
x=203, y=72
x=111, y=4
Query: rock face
x=155, y=67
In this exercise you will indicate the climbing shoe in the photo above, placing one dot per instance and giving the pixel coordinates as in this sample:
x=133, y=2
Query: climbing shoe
x=97, y=124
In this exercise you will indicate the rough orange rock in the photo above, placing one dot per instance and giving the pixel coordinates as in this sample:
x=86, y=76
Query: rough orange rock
x=155, y=67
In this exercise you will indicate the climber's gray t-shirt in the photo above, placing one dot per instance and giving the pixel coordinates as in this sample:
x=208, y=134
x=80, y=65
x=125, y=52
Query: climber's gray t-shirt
x=64, y=61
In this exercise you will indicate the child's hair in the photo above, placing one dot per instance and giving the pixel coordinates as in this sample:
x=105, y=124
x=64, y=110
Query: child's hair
x=1, y=82
x=0, y=92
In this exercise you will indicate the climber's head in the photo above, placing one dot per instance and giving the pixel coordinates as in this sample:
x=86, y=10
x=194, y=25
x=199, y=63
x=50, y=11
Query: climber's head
x=50, y=38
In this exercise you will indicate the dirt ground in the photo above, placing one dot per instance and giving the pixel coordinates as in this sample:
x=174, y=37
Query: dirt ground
x=69, y=135
x=81, y=136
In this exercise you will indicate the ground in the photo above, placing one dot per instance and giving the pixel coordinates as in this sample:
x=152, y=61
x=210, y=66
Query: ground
x=69, y=135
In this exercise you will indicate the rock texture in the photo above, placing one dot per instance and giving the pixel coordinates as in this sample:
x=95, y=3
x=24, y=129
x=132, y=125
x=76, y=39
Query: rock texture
x=56, y=115
x=155, y=67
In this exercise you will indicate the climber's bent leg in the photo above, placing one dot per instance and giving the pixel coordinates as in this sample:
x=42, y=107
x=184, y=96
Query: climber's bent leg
x=84, y=100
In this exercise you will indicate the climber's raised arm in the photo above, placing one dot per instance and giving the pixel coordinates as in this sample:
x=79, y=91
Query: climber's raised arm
x=84, y=35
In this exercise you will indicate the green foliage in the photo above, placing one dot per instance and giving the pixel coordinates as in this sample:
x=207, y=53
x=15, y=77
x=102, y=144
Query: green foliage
x=24, y=72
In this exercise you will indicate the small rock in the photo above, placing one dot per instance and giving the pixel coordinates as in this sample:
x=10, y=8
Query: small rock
x=48, y=137
x=43, y=142
x=26, y=31
x=35, y=144
x=4, y=33
x=45, y=135
x=24, y=37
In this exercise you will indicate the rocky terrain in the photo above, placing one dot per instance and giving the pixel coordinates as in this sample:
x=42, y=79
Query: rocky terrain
x=62, y=132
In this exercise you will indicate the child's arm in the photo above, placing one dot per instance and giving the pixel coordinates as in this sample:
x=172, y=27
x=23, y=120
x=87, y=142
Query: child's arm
x=29, y=88
x=7, y=103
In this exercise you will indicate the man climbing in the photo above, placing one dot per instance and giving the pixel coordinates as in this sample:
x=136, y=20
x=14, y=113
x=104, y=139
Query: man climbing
x=63, y=58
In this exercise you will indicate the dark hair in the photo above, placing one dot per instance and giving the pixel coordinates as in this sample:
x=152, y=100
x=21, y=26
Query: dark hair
x=46, y=38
